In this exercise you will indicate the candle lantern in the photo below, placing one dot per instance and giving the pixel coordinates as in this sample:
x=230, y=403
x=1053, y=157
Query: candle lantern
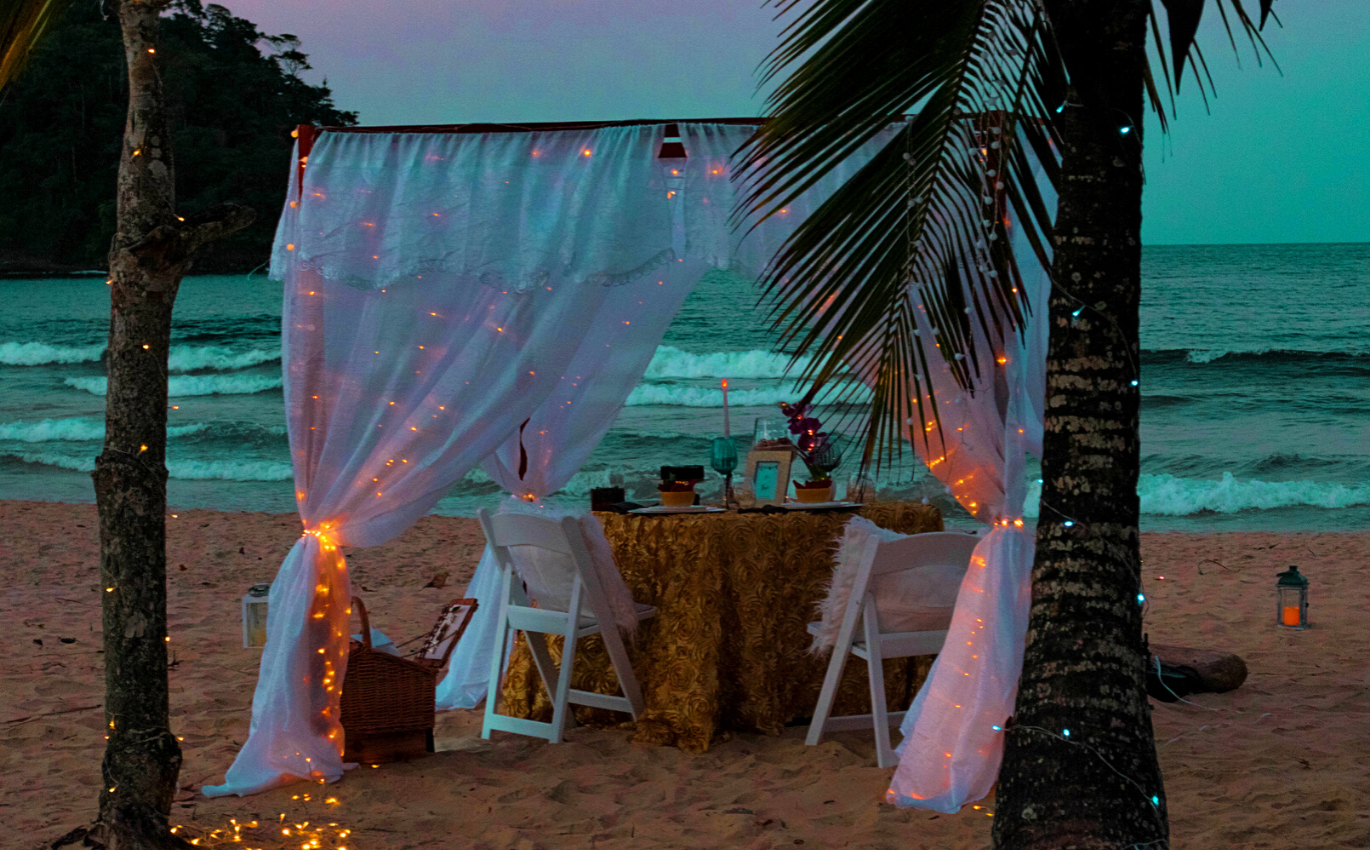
x=254, y=616
x=1291, y=599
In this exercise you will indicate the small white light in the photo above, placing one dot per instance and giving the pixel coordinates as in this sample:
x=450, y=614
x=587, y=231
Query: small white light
x=1141, y=598
x=1134, y=383
x=1069, y=523
x=1124, y=130
x=1065, y=732
x=997, y=728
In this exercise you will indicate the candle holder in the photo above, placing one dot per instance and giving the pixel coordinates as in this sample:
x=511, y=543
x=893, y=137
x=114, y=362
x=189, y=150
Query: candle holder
x=1291, y=600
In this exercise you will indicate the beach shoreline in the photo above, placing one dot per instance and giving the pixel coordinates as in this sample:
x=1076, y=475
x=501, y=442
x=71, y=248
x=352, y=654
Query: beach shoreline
x=1277, y=763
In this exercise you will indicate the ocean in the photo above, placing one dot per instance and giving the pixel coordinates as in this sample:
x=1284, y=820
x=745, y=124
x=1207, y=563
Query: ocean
x=1255, y=393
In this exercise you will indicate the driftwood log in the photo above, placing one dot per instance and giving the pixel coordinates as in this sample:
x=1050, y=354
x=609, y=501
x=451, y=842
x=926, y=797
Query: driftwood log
x=1184, y=670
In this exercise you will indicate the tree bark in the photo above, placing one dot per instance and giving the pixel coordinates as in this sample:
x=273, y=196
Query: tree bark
x=151, y=252
x=1098, y=784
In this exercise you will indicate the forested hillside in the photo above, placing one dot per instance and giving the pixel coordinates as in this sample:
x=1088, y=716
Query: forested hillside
x=235, y=95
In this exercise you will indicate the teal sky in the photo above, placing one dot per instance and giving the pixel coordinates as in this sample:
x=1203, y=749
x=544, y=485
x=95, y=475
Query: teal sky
x=1279, y=159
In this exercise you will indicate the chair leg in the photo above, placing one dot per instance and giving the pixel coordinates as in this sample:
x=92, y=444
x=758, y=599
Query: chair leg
x=497, y=656
x=618, y=656
x=542, y=659
x=875, y=665
x=836, y=665
x=561, y=697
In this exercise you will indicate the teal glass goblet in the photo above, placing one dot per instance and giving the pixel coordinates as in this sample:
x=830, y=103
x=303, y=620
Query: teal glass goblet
x=723, y=459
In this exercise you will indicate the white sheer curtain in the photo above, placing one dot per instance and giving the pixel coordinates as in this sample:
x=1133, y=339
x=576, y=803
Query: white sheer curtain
x=437, y=290
x=546, y=452
x=560, y=437
x=953, y=738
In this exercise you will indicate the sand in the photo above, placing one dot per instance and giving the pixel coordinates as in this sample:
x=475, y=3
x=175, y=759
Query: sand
x=1280, y=763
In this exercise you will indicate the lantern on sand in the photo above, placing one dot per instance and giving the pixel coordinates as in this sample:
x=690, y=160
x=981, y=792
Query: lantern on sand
x=254, y=616
x=1291, y=599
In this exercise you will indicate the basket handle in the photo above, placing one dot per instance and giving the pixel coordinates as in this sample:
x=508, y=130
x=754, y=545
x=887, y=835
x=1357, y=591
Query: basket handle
x=366, y=621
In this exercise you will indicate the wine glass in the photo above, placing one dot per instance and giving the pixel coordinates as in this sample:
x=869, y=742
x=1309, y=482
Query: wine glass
x=828, y=458
x=769, y=430
x=723, y=459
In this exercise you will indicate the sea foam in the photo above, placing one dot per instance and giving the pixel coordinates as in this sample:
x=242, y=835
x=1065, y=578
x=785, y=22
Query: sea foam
x=180, y=386
x=671, y=362
x=672, y=395
x=75, y=429
x=185, y=470
x=39, y=353
x=1170, y=495
x=181, y=358
x=191, y=358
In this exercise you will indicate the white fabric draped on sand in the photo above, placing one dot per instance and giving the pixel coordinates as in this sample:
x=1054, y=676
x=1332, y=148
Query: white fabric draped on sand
x=441, y=290
x=953, y=739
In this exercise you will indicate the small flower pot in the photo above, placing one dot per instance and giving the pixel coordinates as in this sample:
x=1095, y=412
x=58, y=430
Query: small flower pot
x=811, y=494
x=677, y=498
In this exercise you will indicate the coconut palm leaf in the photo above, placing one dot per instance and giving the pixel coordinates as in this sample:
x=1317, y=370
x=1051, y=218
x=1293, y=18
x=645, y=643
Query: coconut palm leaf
x=1183, y=25
x=22, y=25
x=926, y=221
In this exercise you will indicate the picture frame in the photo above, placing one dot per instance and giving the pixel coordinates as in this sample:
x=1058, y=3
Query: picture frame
x=768, y=471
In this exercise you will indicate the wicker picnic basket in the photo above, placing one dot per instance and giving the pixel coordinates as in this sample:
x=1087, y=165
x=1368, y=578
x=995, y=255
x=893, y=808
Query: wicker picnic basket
x=388, y=701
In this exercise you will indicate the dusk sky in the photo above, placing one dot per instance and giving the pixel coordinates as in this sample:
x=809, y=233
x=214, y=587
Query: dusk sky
x=1280, y=159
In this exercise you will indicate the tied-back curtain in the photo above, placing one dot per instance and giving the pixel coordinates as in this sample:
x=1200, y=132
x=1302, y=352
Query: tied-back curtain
x=953, y=732
x=437, y=290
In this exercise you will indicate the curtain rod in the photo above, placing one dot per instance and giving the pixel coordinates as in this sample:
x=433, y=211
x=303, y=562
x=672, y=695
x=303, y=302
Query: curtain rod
x=528, y=128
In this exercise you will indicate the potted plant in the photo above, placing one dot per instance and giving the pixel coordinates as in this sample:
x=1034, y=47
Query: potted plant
x=820, y=453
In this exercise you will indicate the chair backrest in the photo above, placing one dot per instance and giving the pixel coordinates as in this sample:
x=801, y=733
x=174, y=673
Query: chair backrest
x=938, y=548
x=915, y=581
x=448, y=629
x=548, y=556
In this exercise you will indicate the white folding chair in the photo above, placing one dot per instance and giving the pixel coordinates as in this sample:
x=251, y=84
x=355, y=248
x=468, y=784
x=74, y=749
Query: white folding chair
x=584, y=610
x=939, y=559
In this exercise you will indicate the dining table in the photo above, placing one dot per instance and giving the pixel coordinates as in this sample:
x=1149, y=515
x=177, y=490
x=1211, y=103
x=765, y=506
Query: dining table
x=728, y=649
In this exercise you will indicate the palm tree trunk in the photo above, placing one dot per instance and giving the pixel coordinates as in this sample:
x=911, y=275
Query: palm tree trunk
x=151, y=252
x=1080, y=766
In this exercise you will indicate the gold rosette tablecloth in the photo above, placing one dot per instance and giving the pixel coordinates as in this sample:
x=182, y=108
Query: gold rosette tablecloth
x=728, y=649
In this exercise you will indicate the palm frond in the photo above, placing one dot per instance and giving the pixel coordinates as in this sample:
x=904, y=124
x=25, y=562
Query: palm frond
x=23, y=24
x=1183, y=26
x=924, y=225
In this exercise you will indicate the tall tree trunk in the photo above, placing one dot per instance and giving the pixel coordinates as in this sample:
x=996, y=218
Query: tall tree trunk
x=151, y=252
x=1080, y=766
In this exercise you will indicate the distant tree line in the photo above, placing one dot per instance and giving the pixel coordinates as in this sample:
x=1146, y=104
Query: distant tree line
x=233, y=92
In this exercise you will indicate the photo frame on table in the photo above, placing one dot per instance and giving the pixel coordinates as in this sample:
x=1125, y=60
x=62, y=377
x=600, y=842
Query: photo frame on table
x=768, y=471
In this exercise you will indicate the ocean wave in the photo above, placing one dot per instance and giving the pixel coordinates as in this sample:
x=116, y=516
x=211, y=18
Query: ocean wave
x=1202, y=356
x=75, y=429
x=191, y=358
x=672, y=395
x=181, y=358
x=1169, y=495
x=40, y=353
x=180, y=386
x=671, y=362
x=229, y=470
x=185, y=470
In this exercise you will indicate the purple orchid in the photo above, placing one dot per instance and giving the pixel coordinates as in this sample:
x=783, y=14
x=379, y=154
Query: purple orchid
x=816, y=449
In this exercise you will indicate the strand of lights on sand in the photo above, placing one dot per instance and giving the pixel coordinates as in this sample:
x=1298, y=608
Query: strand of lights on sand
x=254, y=835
